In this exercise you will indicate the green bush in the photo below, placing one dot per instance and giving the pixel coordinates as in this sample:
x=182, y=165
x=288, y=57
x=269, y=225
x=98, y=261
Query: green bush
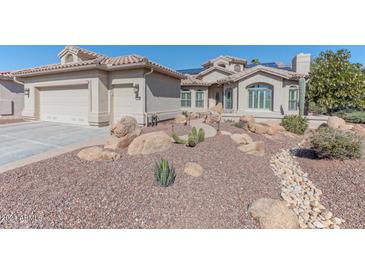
x=336, y=144
x=239, y=124
x=185, y=113
x=164, y=173
x=295, y=124
x=356, y=117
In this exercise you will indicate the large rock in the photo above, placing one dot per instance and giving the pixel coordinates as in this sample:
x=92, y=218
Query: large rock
x=150, y=143
x=97, y=153
x=124, y=126
x=218, y=108
x=255, y=148
x=360, y=130
x=247, y=119
x=181, y=119
x=241, y=138
x=273, y=128
x=213, y=117
x=273, y=214
x=336, y=122
x=193, y=169
x=113, y=142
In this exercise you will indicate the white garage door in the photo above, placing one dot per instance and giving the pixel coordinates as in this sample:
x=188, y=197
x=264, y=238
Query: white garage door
x=66, y=104
x=125, y=103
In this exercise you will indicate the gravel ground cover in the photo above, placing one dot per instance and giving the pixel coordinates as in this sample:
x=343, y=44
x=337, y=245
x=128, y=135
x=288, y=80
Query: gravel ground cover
x=343, y=187
x=66, y=192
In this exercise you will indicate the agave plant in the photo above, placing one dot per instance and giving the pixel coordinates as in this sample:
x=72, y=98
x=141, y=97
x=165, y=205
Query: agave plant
x=164, y=173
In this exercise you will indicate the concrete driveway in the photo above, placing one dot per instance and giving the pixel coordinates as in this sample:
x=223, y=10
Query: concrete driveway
x=22, y=140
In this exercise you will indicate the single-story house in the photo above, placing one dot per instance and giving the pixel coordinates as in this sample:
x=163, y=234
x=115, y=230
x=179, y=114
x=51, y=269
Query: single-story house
x=268, y=90
x=88, y=88
x=11, y=97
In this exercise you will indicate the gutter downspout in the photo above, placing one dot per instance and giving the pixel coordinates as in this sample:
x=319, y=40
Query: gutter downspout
x=145, y=95
x=17, y=81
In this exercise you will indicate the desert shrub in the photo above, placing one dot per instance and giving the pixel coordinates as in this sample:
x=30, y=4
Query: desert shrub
x=295, y=124
x=185, y=113
x=357, y=117
x=239, y=124
x=201, y=135
x=177, y=139
x=164, y=173
x=336, y=144
x=194, y=137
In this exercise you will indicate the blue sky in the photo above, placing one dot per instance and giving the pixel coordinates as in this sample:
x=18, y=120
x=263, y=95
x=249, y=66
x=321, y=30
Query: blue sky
x=176, y=57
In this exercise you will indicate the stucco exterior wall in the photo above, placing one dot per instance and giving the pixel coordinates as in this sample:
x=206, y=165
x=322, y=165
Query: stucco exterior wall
x=214, y=76
x=11, y=94
x=163, y=95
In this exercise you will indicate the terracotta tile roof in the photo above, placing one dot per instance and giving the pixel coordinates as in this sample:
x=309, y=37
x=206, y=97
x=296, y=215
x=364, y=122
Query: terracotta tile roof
x=101, y=62
x=55, y=67
x=204, y=72
x=80, y=51
x=6, y=75
x=228, y=58
x=192, y=81
x=248, y=71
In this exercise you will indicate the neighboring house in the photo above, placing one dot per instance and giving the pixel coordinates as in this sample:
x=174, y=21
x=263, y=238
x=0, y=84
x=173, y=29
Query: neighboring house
x=263, y=90
x=88, y=88
x=11, y=97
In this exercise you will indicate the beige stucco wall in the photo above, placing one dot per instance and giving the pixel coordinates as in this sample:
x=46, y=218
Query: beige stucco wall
x=163, y=95
x=214, y=76
x=280, y=92
x=12, y=93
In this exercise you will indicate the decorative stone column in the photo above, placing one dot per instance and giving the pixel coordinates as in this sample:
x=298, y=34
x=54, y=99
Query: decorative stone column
x=302, y=87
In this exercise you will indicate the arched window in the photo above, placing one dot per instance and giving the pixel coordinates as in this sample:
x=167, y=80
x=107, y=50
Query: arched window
x=69, y=58
x=228, y=98
x=260, y=96
x=293, y=98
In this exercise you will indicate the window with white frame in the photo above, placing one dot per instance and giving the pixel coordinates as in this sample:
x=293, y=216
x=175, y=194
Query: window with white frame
x=199, y=99
x=293, y=98
x=185, y=98
x=260, y=96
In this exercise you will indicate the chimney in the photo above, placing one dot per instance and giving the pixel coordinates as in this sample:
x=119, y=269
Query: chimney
x=301, y=63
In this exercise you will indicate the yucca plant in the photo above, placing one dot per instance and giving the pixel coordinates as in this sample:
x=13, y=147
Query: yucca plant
x=164, y=173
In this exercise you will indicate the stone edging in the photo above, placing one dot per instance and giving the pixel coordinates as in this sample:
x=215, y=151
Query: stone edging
x=300, y=194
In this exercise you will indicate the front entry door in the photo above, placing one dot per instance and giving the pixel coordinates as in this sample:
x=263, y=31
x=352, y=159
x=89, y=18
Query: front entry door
x=228, y=99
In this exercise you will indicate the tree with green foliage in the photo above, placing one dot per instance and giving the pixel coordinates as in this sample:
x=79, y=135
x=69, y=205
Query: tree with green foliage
x=335, y=83
x=255, y=61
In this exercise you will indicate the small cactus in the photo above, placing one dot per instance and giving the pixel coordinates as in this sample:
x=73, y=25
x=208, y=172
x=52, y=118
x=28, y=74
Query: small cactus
x=177, y=139
x=194, y=137
x=201, y=135
x=164, y=173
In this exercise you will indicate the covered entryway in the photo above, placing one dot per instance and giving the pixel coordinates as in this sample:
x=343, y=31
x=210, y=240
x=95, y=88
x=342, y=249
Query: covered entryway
x=64, y=104
x=125, y=102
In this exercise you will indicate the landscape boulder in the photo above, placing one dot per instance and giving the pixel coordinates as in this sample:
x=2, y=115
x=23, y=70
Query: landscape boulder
x=150, y=143
x=217, y=108
x=193, y=169
x=124, y=126
x=113, y=142
x=213, y=117
x=336, y=122
x=273, y=214
x=241, y=138
x=96, y=154
x=255, y=148
x=247, y=119
x=181, y=119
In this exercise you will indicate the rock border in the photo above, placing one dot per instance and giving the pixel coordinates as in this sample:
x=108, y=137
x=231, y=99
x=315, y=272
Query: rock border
x=300, y=194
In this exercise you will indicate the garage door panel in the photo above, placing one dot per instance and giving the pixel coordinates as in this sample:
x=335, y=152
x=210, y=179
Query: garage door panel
x=65, y=104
